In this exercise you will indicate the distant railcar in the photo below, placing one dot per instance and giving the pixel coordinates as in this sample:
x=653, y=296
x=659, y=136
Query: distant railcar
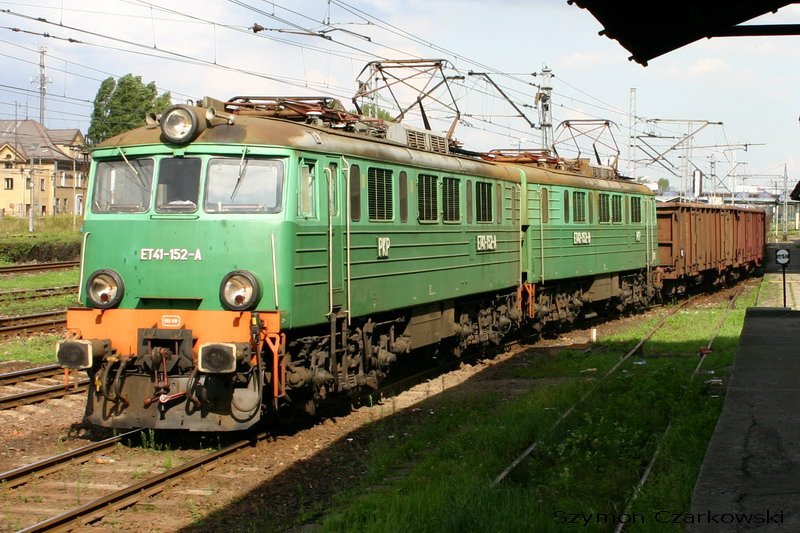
x=708, y=244
x=244, y=257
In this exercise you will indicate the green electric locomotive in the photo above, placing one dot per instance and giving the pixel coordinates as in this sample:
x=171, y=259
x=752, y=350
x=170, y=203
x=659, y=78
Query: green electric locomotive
x=246, y=256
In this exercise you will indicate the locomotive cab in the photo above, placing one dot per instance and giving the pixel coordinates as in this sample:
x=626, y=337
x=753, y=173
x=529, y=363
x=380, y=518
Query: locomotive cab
x=178, y=277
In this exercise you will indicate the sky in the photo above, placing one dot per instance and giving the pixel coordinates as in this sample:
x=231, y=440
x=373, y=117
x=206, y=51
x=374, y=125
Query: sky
x=739, y=94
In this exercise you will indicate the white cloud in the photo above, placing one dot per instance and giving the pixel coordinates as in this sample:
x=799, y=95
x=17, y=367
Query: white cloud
x=579, y=60
x=708, y=66
x=701, y=69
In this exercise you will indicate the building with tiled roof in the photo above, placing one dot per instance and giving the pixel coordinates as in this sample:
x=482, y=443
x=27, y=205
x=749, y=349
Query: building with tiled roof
x=48, y=165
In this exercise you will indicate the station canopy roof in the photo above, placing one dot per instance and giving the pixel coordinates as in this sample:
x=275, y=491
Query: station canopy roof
x=650, y=28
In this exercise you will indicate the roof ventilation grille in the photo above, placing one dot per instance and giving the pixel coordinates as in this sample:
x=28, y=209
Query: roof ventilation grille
x=417, y=138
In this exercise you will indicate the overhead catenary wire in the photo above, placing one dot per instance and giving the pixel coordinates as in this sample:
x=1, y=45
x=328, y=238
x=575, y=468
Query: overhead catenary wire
x=71, y=73
x=517, y=84
x=181, y=56
x=173, y=54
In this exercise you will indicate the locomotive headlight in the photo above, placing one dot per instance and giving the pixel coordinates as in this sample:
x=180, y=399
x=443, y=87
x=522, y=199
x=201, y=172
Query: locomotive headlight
x=104, y=289
x=220, y=357
x=180, y=124
x=80, y=353
x=239, y=290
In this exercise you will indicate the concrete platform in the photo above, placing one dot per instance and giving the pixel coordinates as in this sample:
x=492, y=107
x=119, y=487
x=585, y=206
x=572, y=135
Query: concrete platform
x=751, y=470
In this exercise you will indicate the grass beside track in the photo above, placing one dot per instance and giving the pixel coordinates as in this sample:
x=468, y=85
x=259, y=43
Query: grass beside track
x=36, y=281
x=39, y=280
x=36, y=348
x=39, y=305
x=60, y=227
x=39, y=349
x=449, y=450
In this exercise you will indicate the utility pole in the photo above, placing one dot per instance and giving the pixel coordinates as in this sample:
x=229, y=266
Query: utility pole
x=42, y=80
x=55, y=192
x=32, y=186
x=545, y=110
x=16, y=128
x=785, y=204
x=632, y=134
x=713, y=174
x=735, y=178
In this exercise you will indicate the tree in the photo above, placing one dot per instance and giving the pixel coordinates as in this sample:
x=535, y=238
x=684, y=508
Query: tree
x=121, y=105
x=372, y=110
x=663, y=184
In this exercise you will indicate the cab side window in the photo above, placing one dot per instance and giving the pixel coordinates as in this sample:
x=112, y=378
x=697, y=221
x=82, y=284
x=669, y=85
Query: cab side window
x=306, y=191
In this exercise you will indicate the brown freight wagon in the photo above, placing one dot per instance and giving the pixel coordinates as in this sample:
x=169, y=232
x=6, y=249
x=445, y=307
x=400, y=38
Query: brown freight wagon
x=705, y=244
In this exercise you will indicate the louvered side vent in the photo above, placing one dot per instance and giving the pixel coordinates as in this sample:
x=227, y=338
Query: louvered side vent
x=450, y=199
x=427, y=204
x=483, y=201
x=379, y=188
x=415, y=139
x=439, y=144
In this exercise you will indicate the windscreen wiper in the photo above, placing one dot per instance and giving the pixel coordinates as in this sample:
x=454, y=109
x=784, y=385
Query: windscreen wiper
x=242, y=168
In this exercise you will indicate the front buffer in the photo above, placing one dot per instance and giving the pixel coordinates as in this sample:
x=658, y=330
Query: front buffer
x=170, y=369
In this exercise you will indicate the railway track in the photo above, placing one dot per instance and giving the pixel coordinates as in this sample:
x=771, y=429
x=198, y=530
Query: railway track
x=20, y=476
x=703, y=353
x=31, y=294
x=23, y=325
x=129, y=495
x=636, y=349
x=124, y=497
x=117, y=497
x=31, y=379
x=30, y=374
x=45, y=393
x=37, y=267
x=575, y=410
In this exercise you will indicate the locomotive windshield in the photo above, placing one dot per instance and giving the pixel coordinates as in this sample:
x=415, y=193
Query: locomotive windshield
x=233, y=185
x=178, y=184
x=123, y=186
x=244, y=185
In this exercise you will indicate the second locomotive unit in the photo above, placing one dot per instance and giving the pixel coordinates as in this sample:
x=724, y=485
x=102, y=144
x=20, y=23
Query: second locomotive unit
x=246, y=256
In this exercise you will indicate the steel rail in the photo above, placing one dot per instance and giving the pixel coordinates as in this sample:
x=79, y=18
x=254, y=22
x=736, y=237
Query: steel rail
x=126, y=497
x=703, y=353
x=38, y=267
x=23, y=474
x=30, y=374
x=585, y=395
x=129, y=496
x=97, y=509
x=42, y=394
x=36, y=322
x=28, y=294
